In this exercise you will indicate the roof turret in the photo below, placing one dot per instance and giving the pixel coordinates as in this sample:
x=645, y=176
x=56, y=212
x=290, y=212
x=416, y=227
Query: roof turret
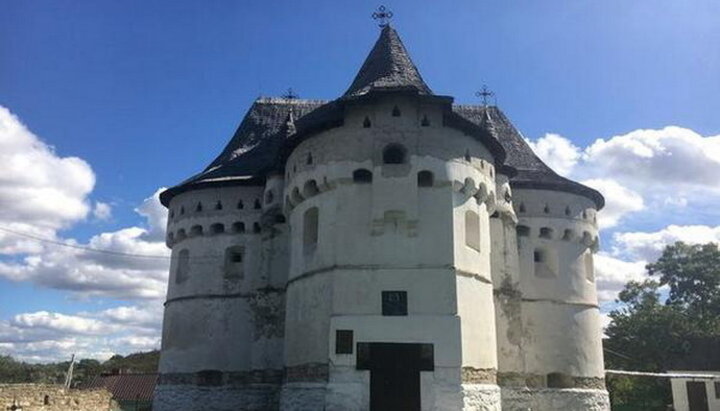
x=388, y=67
x=532, y=172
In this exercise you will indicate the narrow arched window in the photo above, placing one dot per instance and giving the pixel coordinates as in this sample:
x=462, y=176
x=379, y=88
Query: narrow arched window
x=172, y=214
x=396, y=111
x=544, y=263
x=468, y=158
x=546, y=232
x=217, y=228
x=310, y=189
x=362, y=176
x=234, y=258
x=567, y=210
x=546, y=209
x=196, y=231
x=425, y=179
x=46, y=400
x=240, y=205
x=182, y=272
x=182, y=210
x=218, y=205
x=257, y=204
x=309, y=159
x=568, y=234
x=472, y=230
x=367, y=123
x=589, y=267
x=238, y=227
x=310, y=230
x=394, y=154
x=295, y=195
x=199, y=207
x=256, y=228
x=425, y=122
x=269, y=197
x=521, y=208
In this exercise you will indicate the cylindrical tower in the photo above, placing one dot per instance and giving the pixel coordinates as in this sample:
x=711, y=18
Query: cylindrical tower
x=390, y=261
x=549, y=332
x=221, y=311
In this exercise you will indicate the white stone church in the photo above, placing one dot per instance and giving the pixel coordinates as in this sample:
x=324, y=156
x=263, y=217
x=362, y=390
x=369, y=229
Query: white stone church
x=386, y=250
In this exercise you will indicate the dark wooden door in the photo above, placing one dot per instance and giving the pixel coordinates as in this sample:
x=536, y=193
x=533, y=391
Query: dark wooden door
x=697, y=395
x=395, y=377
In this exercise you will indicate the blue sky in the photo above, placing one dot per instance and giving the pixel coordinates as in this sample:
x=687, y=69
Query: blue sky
x=147, y=93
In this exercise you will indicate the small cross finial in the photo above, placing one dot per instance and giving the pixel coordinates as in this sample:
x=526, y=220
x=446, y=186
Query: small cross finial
x=484, y=94
x=383, y=16
x=290, y=94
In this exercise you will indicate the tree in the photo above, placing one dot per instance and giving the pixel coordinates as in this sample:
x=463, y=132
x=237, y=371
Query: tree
x=693, y=274
x=666, y=324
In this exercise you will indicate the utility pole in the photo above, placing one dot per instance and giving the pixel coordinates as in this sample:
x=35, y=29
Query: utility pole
x=69, y=375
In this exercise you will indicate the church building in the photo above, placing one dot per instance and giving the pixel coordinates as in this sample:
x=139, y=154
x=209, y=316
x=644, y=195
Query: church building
x=385, y=250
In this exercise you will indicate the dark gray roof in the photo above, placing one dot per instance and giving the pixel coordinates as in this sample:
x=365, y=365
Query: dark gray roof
x=388, y=67
x=254, y=148
x=531, y=171
x=273, y=126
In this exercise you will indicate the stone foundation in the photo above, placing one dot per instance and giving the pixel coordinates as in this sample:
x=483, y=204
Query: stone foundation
x=305, y=396
x=255, y=397
x=48, y=397
x=550, y=399
x=481, y=397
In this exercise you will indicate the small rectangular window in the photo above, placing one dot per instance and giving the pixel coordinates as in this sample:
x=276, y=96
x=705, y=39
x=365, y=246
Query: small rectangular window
x=234, y=258
x=394, y=303
x=183, y=267
x=472, y=230
x=343, y=341
x=310, y=230
x=717, y=389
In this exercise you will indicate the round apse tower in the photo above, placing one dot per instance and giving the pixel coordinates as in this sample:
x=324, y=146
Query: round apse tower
x=223, y=327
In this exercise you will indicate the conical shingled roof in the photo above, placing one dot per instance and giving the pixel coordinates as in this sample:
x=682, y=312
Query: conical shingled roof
x=253, y=149
x=531, y=171
x=388, y=67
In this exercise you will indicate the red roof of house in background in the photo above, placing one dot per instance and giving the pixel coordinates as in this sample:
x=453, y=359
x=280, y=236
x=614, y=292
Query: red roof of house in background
x=125, y=387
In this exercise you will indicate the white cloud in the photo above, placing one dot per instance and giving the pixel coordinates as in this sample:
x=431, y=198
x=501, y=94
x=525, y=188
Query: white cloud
x=646, y=169
x=40, y=191
x=60, y=323
x=558, y=152
x=156, y=215
x=134, y=265
x=668, y=156
x=102, y=211
x=611, y=275
x=648, y=246
x=619, y=201
x=48, y=336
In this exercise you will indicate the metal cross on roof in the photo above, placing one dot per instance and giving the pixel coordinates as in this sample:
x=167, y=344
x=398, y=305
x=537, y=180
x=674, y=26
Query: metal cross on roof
x=383, y=16
x=290, y=94
x=484, y=94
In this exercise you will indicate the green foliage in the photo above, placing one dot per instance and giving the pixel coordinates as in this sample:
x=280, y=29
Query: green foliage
x=143, y=362
x=693, y=274
x=649, y=334
x=12, y=371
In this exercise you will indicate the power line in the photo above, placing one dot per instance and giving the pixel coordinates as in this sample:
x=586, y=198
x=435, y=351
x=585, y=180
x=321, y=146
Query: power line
x=82, y=247
x=664, y=374
x=101, y=250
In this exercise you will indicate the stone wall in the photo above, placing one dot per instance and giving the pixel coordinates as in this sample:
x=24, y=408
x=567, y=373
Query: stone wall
x=48, y=397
